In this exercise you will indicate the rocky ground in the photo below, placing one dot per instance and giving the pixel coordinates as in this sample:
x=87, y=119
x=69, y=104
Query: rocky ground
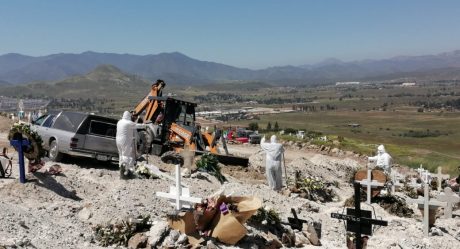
x=60, y=211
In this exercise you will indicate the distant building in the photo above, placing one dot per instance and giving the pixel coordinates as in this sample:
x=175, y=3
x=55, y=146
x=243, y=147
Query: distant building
x=347, y=83
x=408, y=84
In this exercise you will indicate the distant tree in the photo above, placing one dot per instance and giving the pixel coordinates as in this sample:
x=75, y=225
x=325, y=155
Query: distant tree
x=269, y=126
x=253, y=126
x=276, y=127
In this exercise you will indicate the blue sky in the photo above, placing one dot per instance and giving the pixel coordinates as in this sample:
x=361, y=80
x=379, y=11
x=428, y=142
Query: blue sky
x=243, y=33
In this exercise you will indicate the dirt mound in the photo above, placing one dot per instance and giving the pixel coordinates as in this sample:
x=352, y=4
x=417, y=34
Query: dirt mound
x=325, y=167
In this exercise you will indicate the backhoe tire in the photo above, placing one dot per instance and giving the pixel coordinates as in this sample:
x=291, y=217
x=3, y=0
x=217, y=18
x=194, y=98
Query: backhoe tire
x=172, y=157
x=54, y=153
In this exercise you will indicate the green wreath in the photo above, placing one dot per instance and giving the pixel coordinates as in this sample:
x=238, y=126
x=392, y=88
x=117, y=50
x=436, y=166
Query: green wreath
x=35, y=151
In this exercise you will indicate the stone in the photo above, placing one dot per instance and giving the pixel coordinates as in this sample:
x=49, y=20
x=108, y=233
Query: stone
x=182, y=240
x=434, y=231
x=312, y=236
x=301, y=240
x=137, y=241
x=335, y=151
x=158, y=231
x=85, y=214
x=288, y=237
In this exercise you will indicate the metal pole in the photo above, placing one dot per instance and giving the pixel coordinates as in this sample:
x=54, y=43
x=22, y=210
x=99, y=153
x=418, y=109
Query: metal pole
x=358, y=213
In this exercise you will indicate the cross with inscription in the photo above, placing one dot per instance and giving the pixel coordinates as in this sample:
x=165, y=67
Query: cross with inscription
x=359, y=221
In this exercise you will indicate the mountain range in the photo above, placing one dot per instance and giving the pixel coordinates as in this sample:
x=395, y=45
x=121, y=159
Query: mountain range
x=178, y=68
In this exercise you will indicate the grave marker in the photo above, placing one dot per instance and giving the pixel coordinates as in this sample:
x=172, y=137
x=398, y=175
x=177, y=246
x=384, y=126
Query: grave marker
x=178, y=194
x=426, y=202
x=449, y=197
x=440, y=176
x=359, y=221
x=395, y=177
x=370, y=184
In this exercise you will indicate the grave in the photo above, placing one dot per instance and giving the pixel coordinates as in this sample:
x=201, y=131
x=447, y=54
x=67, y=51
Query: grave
x=359, y=221
x=440, y=176
x=179, y=195
x=450, y=198
x=369, y=183
x=426, y=202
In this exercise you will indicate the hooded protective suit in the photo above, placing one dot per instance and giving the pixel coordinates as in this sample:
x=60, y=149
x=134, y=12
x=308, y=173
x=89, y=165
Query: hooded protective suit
x=126, y=140
x=382, y=159
x=274, y=155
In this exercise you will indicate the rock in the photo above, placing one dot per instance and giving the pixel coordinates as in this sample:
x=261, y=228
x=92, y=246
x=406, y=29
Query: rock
x=170, y=241
x=301, y=240
x=310, y=233
x=434, y=231
x=288, y=238
x=137, y=241
x=272, y=241
x=182, y=240
x=210, y=245
x=335, y=151
x=85, y=214
x=158, y=231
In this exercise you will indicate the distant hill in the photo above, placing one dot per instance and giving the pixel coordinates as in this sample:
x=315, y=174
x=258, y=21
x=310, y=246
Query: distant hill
x=105, y=81
x=178, y=68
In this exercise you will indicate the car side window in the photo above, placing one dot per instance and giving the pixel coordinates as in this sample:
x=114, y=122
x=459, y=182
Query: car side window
x=49, y=121
x=39, y=121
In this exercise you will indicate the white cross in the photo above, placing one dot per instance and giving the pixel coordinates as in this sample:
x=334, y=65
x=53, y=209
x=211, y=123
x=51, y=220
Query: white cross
x=413, y=183
x=420, y=170
x=425, y=200
x=440, y=176
x=178, y=194
x=450, y=198
x=370, y=184
x=396, y=183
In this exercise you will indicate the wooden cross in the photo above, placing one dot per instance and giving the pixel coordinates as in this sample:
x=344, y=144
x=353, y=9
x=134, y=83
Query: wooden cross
x=370, y=184
x=440, y=176
x=179, y=195
x=426, y=202
x=449, y=197
x=359, y=221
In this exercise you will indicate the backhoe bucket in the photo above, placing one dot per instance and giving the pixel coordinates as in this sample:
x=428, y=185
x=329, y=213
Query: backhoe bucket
x=229, y=159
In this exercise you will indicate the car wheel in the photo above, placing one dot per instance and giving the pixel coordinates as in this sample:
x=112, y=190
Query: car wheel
x=54, y=153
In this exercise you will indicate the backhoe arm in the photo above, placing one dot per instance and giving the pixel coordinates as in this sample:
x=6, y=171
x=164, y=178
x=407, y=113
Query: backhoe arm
x=150, y=106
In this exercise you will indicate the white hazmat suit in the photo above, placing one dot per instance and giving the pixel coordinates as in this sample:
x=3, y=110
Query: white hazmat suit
x=382, y=159
x=126, y=140
x=274, y=155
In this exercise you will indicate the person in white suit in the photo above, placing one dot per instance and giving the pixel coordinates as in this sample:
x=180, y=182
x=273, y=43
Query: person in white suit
x=274, y=157
x=126, y=143
x=382, y=159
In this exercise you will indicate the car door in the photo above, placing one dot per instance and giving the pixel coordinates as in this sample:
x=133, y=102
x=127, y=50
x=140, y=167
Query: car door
x=41, y=126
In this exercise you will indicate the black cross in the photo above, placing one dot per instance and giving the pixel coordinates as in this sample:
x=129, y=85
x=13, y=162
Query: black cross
x=297, y=223
x=359, y=221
